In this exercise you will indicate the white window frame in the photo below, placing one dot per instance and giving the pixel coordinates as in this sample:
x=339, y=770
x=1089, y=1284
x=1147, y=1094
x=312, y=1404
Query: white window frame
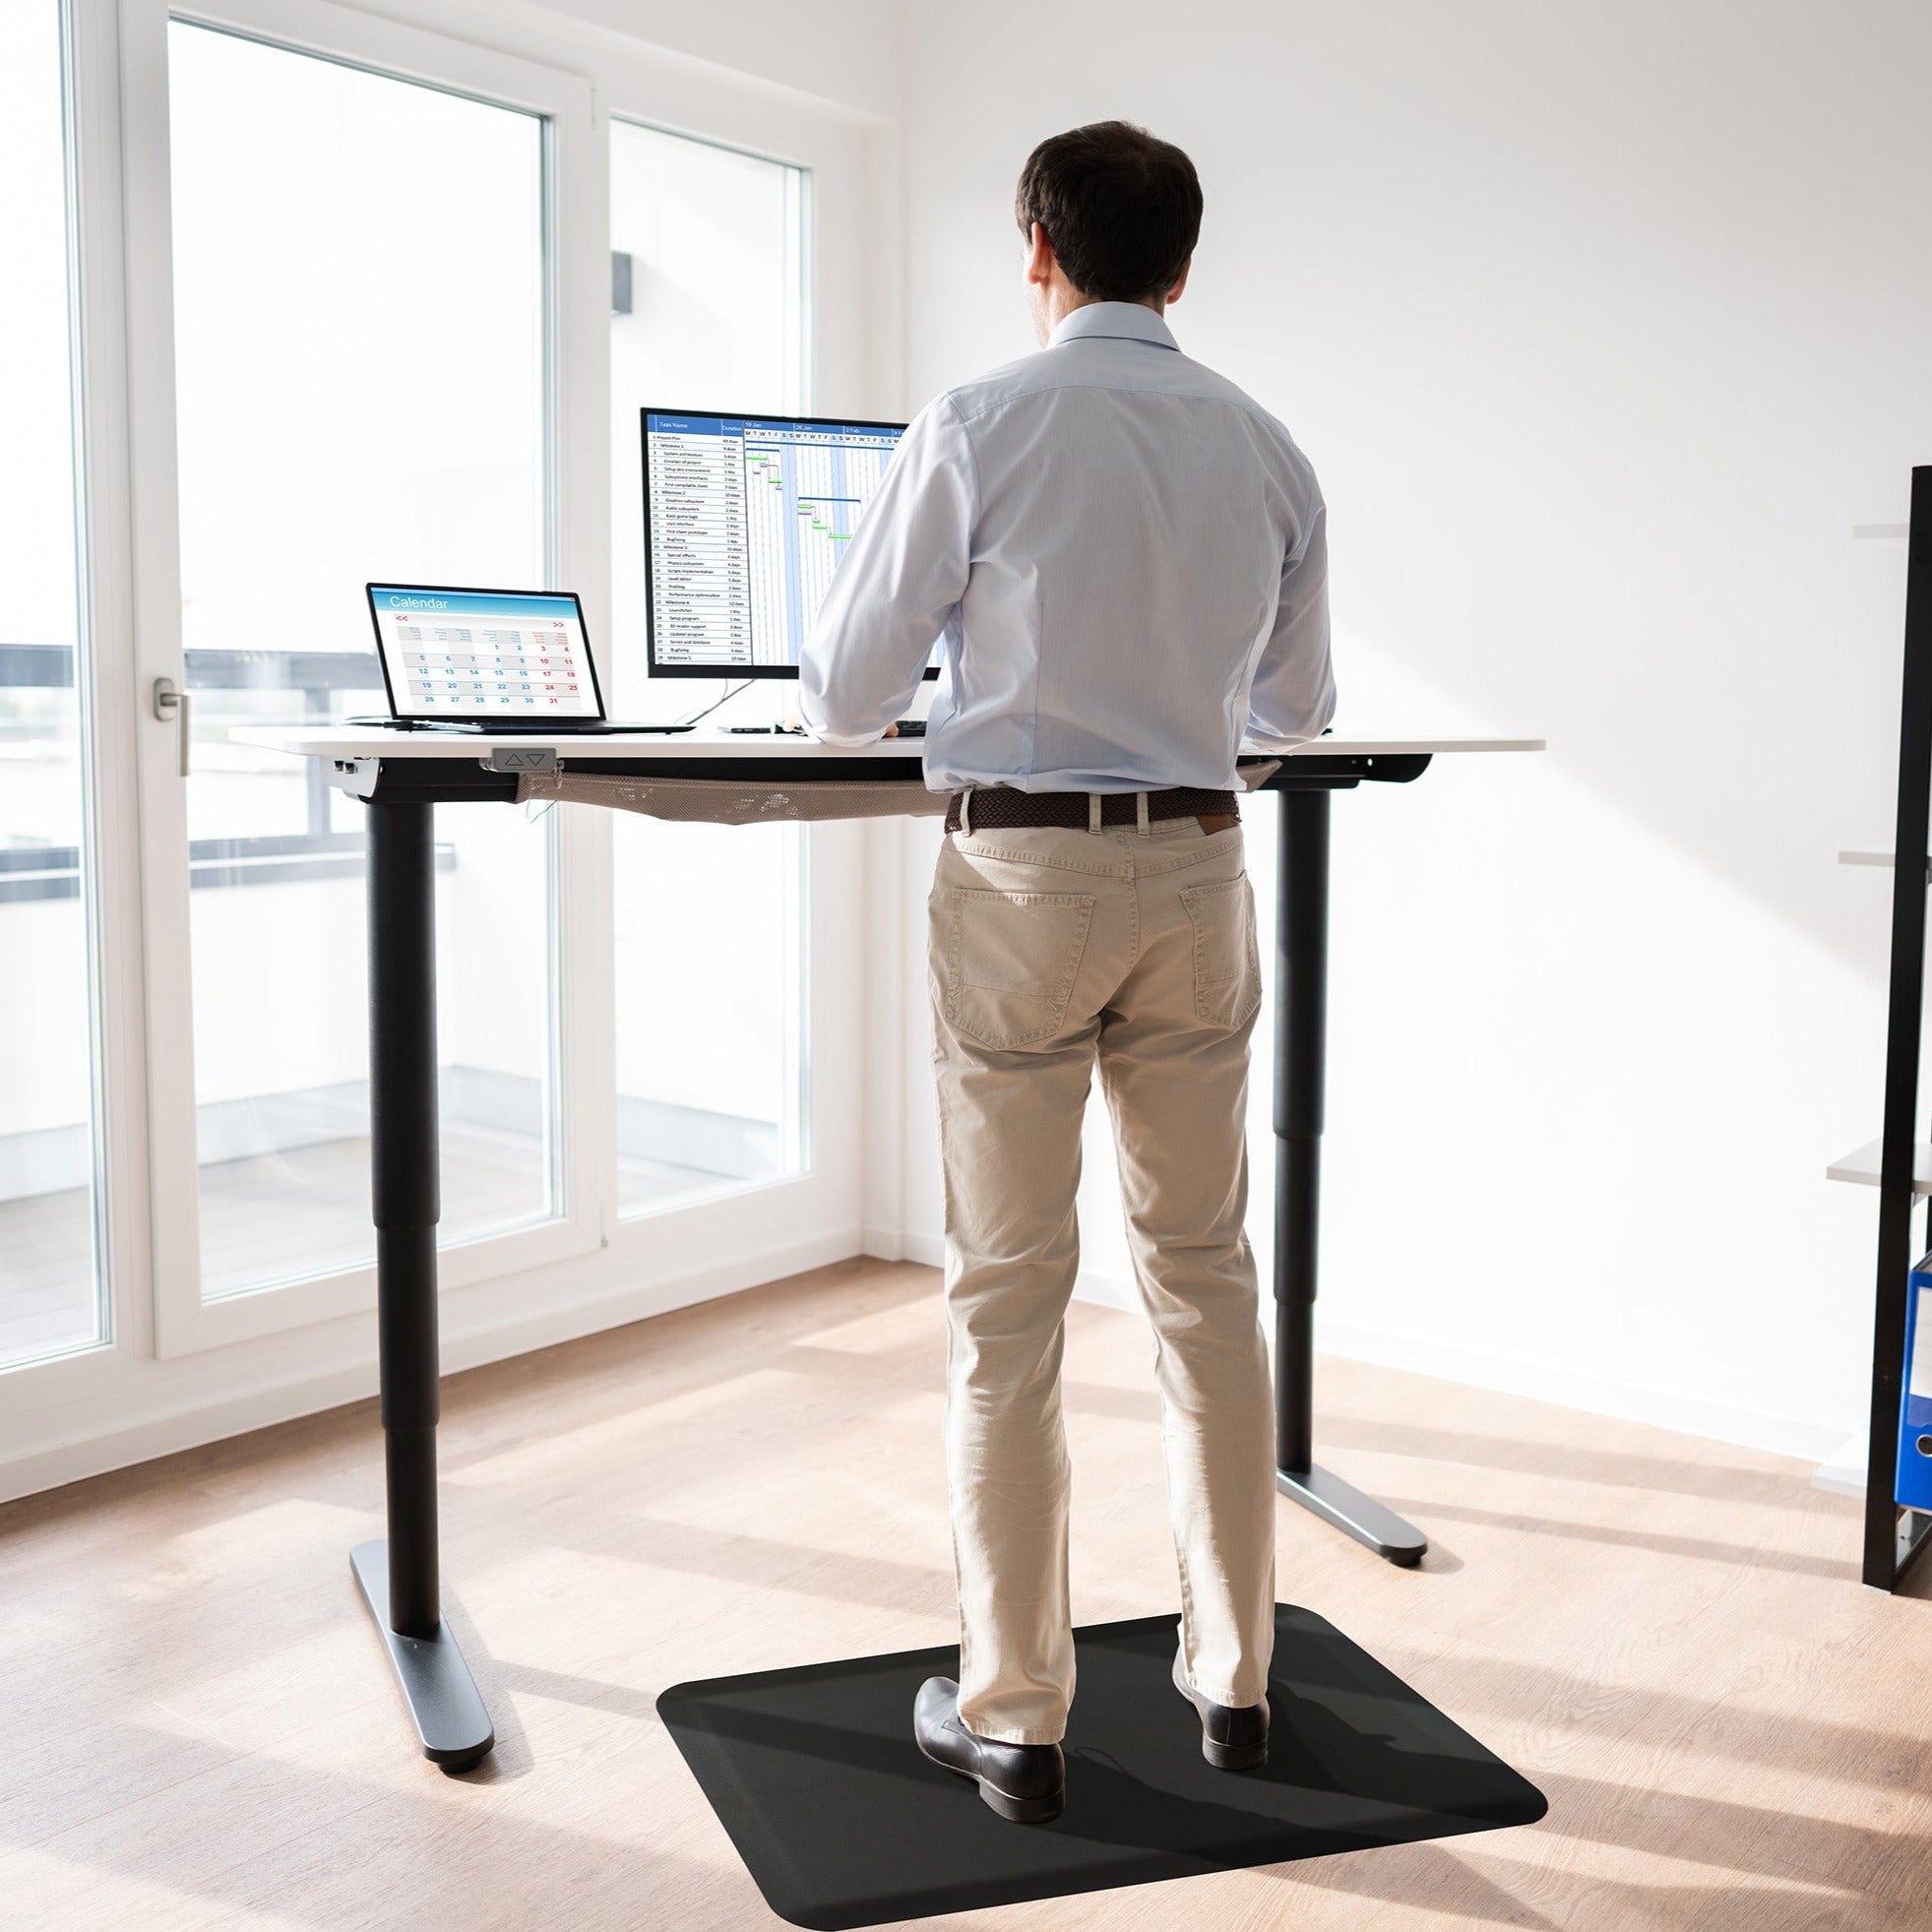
x=575, y=220
x=103, y=547
x=786, y=1221
x=176, y=1371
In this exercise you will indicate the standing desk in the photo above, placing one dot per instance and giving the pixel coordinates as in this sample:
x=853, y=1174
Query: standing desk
x=402, y=776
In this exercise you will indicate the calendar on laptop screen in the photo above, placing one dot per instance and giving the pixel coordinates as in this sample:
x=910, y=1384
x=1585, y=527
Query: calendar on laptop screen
x=483, y=653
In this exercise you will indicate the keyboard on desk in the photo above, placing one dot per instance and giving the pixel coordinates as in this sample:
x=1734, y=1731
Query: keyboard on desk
x=911, y=728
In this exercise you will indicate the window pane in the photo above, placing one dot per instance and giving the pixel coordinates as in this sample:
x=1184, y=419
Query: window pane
x=50, y=1299
x=358, y=285
x=709, y=918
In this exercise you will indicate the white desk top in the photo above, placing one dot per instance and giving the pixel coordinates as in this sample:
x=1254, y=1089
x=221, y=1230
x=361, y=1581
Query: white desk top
x=375, y=741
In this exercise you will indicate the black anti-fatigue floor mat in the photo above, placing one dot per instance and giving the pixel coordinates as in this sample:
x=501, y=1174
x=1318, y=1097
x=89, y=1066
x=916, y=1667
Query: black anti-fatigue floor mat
x=814, y=1773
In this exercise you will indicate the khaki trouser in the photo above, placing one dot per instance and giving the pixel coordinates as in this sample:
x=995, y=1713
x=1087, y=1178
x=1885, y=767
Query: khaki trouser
x=1050, y=949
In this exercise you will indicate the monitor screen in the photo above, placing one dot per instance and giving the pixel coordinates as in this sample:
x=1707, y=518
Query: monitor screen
x=745, y=520
x=483, y=653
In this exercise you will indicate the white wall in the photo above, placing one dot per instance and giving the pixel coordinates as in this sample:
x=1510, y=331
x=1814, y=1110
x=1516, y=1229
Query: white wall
x=850, y=59
x=1602, y=328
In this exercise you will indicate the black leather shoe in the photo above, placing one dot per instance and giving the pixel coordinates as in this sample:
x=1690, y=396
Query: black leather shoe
x=1025, y=1783
x=1232, y=1738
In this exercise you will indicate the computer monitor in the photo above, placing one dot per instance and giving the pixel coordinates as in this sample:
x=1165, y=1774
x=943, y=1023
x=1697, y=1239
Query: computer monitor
x=482, y=657
x=745, y=518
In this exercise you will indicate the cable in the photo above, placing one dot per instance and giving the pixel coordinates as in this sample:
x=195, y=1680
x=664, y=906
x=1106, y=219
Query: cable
x=709, y=709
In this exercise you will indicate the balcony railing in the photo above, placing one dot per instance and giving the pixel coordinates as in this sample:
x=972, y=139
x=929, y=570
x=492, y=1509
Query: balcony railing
x=319, y=852
x=314, y=673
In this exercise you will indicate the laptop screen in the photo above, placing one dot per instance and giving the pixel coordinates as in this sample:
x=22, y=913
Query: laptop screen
x=483, y=655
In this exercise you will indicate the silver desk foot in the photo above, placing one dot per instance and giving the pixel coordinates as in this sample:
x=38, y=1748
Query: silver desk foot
x=452, y=1725
x=1361, y=1516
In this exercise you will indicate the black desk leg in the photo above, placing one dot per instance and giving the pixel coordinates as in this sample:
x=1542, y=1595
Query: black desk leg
x=399, y=1578
x=1302, y=969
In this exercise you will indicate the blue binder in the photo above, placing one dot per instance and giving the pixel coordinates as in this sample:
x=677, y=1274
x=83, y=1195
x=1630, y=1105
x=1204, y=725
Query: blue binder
x=1914, y=1479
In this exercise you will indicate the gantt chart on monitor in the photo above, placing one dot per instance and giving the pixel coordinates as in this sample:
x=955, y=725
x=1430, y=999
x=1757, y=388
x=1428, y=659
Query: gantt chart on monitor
x=748, y=519
x=466, y=654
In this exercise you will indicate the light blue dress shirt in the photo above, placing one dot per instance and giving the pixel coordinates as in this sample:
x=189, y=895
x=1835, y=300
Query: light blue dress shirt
x=1124, y=556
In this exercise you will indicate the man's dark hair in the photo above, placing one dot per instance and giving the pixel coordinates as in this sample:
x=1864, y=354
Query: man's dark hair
x=1121, y=208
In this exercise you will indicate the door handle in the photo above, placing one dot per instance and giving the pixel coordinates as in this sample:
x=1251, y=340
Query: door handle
x=172, y=705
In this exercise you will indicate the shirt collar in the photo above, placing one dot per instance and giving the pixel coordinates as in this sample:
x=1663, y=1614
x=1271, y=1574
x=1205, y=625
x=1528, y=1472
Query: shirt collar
x=1128, y=321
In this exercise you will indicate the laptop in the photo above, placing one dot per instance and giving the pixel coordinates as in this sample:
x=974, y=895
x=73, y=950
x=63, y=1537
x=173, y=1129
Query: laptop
x=488, y=661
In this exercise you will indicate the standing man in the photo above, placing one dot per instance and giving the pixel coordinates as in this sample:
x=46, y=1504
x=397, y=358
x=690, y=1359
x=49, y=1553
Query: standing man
x=1125, y=558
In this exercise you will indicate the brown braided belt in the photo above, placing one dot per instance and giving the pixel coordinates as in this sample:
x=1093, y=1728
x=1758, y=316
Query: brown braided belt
x=999, y=807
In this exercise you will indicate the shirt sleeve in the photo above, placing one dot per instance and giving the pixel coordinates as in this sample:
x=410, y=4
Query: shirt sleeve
x=1293, y=695
x=902, y=577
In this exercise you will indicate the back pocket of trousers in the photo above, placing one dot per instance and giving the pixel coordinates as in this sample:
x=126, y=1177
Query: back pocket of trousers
x=1011, y=958
x=1226, y=964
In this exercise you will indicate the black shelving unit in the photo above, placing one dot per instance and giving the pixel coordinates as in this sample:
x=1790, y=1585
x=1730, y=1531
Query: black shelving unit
x=1895, y=1537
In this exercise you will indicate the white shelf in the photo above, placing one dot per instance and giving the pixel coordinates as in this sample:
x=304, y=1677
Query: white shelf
x=1878, y=858
x=1861, y=1166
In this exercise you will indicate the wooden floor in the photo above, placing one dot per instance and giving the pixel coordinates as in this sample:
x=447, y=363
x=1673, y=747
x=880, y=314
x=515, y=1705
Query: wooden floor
x=195, y=1728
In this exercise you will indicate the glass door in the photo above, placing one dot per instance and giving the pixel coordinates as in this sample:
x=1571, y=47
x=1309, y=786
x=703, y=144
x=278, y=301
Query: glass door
x=362, y=285
x=359, y=392
x=53, y=1298
x=708, y=305
x=339, y=304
